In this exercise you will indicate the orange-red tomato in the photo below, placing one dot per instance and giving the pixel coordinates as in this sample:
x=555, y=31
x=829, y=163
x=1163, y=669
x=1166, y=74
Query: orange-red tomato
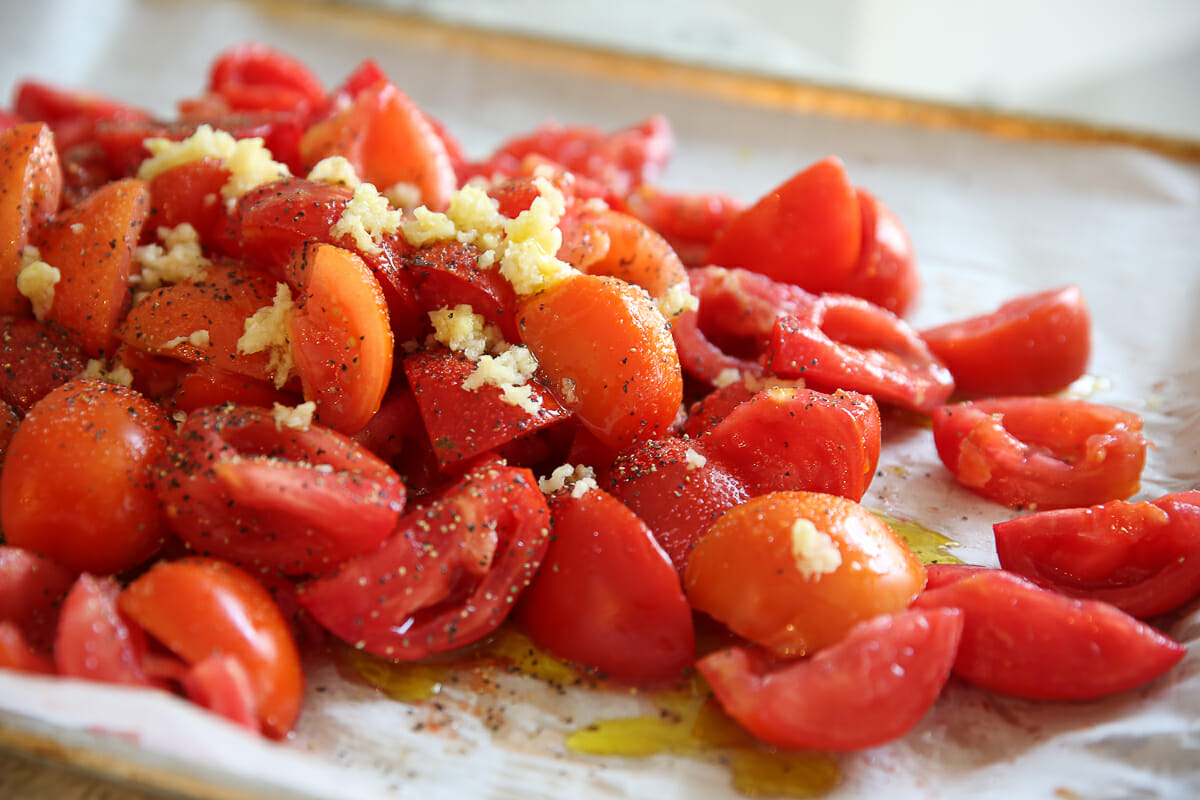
x=31, y=182
x=625, y=385
x=794, y=571
x=77, y=483
x=200, y=607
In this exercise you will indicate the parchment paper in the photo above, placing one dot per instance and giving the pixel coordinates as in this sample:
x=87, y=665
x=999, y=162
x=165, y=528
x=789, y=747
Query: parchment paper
x=989, y=219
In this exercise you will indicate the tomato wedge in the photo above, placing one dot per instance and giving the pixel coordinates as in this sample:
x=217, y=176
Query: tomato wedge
x=1030, y=642
x=1042, y=452
x=94, y=640
x=637, y=626
x=31, y=182
x=35, y=358
x=238, y=485
x=869, y=688
x=1144, y=558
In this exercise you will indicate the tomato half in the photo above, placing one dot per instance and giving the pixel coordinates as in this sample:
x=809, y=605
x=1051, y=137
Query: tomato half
x=94, y=640
x=199, y=607
x=886, y=274
x=78, y=485
x=237, y=485
x=255, y=76
x=36, y=357
x=1144, y=558
x=1034, y=344
x=870, y=687
x=31, y=591
x=31, y=182
x=1042, y=452
x=1030, y=642
x=448, y=576
x=795, y=571
x=606, y=595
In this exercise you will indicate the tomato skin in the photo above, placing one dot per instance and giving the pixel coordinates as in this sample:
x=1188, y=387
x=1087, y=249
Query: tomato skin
x=1042, y=452
x=254, y=76
x=278, y=217
x=31, y=591
x=31, y=182
x=36, y=357
x=191, y=193
x=886, y=274
x=1037, y=644
x=850, y=343
x=870, y=687
x=73, y=114
x=1144, y=558
x=198, y=607
x=86, y=501
x=207, y=385
x=606, y=595
x=807, y=231
x=92, y=245
x=636, y=253
x=94, y=641
x=222, y=685
x=448, y=576
x=447, y=274
x=677, y=498
x=626, y=386
x=238, y=486
x=17, y=654
x=794, y=571
x=689, y=222
x=1034, y=344
x=341, y=336
x=787, y=439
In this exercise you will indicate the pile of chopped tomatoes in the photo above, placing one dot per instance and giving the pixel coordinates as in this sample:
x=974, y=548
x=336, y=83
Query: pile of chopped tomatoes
x=291, y=366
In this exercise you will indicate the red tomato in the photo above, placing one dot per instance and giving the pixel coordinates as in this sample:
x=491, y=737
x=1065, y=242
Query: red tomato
x=191, y=193
x=872, y=686
x=200, y=607
x=689, y=222
x=341, y=337
x=85, y=499
x=1035, y=344
x=94, y=641
x=255, y=76
x=222, y=684
x=31, y=182
x=447, y=274
x=481, y=420
x=677, y=489
x=850, y=343
x=606, y=595
x=9, y=420
x=625, y=386
x=207, y=385
x=17, y=654
x=807, y=231
x=886, y=274
x=1144, y=558
x=731, y=329
x=31, y=590
x=1042, y=452
x=278, y=217
x=787, y=439
x=794, y=571
x=1030, y=642
x=239, y=486
x=35, y=358
x=448, y=576
x=154, y=377
x=92, y=246
x=73, y=114
x=636, y=253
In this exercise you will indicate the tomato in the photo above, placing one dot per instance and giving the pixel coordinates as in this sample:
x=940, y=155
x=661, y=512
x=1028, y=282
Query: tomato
x=278, y=217
x=191, y=193
x=389, y=141
x=9, y=420
x=255, y=76
x=849, y=343
x=448, y=576
x=677, y=489
x=36, y=358
x=164, y=321
x=31, y=591
x=886, y=274
x=73, y=114
x=795, y=571
x=1042, y=452
x=636, y=253
x=731, y=329
x=1034, y=643
x=341, y=337
x=1034, y=344
x=689, y=222
x=199, y=607
x=222, y=685
x=870, y=687
x=77, y=484
x=237, y=485
x=207, y=385
x=787, y=439
x=481, y=420
x=807, y=231
x=31, y=182
x=625, y=386
x=17, y=654
x=1144, y=558
x=606, y=595
x=92, y=245
x=447, y=274
x=94, y=641
x=154, y=377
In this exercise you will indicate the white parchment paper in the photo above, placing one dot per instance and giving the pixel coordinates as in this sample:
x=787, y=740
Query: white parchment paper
x=989, y=219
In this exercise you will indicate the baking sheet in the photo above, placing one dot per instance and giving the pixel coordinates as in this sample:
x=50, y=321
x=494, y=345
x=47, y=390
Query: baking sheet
x=989, y=218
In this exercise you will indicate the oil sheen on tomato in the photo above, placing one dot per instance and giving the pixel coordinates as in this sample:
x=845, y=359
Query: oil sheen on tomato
x=685, y=721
